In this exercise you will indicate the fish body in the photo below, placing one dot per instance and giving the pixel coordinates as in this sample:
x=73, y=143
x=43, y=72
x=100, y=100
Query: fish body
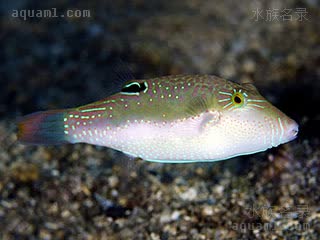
x=182, y=118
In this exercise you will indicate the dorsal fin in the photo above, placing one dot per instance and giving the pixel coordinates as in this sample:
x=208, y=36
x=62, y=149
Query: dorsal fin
x=118, y=73
x=122, y=72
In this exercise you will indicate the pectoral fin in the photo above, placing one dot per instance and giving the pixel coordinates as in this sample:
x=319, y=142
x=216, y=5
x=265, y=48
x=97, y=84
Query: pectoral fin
x=209, y=119
x=197, y=106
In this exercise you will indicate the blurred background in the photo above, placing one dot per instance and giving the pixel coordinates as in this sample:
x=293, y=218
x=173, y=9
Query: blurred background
x=80, y=54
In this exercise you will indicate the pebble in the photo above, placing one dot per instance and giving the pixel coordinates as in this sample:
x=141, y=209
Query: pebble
x=175, y=215
x=154, y=236
x=189, y=195
x=165, y=217
x=207, y=211
x=218, y=190
x=113, y=181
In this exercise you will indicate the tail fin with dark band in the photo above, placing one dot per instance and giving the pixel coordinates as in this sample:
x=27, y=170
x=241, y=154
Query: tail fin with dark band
x=42, y=128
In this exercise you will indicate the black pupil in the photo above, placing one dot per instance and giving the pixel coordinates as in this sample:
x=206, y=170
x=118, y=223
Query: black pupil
x=237, y=99
x=134, y=87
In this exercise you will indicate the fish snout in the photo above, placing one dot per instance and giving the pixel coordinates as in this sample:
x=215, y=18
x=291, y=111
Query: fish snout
x=292, y=129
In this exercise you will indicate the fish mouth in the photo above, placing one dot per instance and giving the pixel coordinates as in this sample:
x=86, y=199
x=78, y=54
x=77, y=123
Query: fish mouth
x=294, y=134
x=293, y=130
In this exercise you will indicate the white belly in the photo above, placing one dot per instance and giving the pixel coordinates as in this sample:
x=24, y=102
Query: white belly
x=182, y=141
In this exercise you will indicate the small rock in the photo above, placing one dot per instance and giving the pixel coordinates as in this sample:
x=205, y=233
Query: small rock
x=207, y=211
x=45, y=235
x=189, y=195
x=25, y=172
x=175, y=215
x=165, y=217
x=113, y=181
x=154, y=236
x=218, y=190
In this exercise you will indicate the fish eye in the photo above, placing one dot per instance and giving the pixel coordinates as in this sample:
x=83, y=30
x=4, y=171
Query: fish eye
x=238, y=99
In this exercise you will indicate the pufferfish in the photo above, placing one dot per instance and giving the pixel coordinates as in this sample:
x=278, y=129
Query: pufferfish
x=171, y=119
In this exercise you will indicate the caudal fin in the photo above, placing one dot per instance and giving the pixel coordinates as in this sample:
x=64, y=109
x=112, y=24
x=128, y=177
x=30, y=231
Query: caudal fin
x=42, y=128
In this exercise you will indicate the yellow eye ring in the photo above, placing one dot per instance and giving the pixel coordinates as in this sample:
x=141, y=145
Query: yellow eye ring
x=238, y=99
